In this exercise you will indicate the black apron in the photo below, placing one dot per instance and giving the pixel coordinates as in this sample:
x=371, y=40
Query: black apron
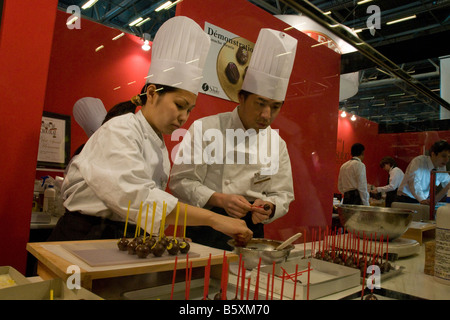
x=390, y=196
x=352, y=196
x=77, y=226
x=209, y=237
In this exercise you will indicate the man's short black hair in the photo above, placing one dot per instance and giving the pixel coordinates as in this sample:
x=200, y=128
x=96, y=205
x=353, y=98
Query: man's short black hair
x=388, y=160
x=439, y=146
x=357, y=149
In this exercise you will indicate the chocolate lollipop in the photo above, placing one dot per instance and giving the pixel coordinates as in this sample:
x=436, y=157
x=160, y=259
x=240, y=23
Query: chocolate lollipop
x=158, y=249
x=143, y=250
x=123, y=242
x=151, y=240
x=137, y=240
x=184, y=245
x=173, y=247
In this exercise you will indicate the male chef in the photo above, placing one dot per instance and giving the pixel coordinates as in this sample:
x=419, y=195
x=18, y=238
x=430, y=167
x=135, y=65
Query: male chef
x=250, y=176
x=352, y=180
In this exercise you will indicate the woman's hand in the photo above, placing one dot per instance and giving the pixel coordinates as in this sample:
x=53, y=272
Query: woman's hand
x=235, y=228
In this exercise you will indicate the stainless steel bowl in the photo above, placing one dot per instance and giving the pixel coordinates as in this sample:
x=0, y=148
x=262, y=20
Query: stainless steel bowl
x=375, y=220
x=261, y=248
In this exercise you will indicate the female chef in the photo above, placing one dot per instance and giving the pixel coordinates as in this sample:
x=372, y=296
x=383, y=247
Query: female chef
x=126, y=159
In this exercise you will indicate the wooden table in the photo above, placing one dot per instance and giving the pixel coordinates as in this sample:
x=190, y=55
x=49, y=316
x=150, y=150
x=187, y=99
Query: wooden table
x=54, y=261
x=420, y=230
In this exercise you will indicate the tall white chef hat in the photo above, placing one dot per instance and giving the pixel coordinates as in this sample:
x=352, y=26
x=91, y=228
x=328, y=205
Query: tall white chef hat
x=89, y=114
x=179, y=53
x=271, y=64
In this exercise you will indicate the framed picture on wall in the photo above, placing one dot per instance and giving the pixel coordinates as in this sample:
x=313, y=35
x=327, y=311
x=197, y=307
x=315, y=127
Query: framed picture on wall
x=54, y=141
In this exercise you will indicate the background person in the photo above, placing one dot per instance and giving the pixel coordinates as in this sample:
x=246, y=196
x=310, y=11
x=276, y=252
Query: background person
x=352, y=181
x=415, y=186
x=395, y=178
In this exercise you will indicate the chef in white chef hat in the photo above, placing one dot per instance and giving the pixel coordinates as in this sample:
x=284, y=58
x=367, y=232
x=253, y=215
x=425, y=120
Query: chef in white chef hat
x=89, y=113
x=179, y=53
x=125, y=165
x=253, y=192
x=271, y=65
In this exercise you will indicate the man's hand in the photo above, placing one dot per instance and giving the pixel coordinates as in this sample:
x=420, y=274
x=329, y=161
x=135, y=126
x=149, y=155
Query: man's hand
x=236, y=205
x=261, y=210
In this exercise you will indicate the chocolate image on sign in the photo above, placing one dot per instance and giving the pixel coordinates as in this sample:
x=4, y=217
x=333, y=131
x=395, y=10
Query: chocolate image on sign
x=232, y=61
x=232, y=73
x=242, y=55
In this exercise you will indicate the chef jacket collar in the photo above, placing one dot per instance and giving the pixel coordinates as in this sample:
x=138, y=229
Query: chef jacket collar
x=430, y=164
x=149, y=131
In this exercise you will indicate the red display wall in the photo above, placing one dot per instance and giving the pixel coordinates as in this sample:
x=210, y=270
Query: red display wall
x=308, y=119
x=26, y=37
x=113, y=74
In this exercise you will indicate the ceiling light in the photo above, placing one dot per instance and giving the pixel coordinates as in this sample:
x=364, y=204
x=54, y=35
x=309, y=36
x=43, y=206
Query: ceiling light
x=353, y=118
x=400, y=20
x=146, y=37
x=118, y=36
x=327, y=13
x=142, y=22
x=163, y=6
x=363, y=1
x=343, y=114
x=99, y=48
x=136, y=21
x=173, y=4
x=397, y=94
x=88, y=4
x=146, y=46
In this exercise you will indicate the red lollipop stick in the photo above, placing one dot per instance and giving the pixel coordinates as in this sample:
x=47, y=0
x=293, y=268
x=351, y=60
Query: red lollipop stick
x=239, y=272
x=304, y=244
x=307, y=285
x=273, y=279
x=206, y=282
x=243, y=280
x=257, y=281
x=173, y=277
x=189, y=281
x=295, y=282
x=187, y=277
x=387, y=247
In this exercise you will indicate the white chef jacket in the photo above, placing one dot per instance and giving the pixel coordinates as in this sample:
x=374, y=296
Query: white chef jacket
x=352, y=176
x=123, y=160
x=395, y=178
x=196, y=182
x=416, y=183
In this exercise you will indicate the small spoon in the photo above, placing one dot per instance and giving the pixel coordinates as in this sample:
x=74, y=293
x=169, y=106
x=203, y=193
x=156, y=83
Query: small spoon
x=289, y=241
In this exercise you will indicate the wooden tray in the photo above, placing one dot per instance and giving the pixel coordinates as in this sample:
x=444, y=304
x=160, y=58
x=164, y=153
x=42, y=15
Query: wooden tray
x=98, y=254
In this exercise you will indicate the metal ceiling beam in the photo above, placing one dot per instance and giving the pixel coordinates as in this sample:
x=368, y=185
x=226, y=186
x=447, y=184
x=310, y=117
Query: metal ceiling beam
x=339, y=30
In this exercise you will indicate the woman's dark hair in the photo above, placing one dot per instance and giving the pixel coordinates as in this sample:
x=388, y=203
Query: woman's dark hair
x=131, y=105
x=388, y=160
x=357, y=149
x=439, y=146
